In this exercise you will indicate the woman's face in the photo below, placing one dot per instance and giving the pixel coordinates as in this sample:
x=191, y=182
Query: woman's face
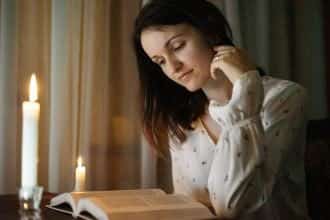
x=182, y=53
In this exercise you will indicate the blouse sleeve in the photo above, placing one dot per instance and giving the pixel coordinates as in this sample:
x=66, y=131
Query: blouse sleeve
x=240, y=181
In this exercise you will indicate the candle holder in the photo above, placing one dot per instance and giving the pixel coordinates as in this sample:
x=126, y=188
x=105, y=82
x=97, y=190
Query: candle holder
x=29, y=202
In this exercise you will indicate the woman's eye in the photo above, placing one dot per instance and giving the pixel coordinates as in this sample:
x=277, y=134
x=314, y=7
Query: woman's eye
x=178, y=45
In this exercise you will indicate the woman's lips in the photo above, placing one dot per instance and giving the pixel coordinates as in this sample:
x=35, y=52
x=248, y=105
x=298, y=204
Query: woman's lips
x=185, y=75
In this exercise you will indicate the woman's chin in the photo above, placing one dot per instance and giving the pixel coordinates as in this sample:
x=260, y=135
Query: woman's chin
x=192, y=88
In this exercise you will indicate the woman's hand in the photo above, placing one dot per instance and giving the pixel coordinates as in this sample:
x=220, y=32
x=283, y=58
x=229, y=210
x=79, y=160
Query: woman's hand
x=232, y=61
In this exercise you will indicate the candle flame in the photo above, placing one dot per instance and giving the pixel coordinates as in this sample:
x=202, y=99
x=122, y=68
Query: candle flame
x=33, y=88
x=79, y=162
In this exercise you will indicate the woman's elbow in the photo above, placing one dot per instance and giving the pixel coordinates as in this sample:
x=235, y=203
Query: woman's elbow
x=226, y=210
x=233, y=208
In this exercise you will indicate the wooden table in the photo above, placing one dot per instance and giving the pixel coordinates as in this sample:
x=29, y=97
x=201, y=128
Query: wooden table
x=9, y=208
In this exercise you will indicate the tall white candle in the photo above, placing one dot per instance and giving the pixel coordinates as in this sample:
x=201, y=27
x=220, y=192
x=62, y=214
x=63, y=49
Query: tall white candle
x=31, y=111
x=80, y=176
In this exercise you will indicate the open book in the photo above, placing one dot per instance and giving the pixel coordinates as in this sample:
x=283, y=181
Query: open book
x=141, y=204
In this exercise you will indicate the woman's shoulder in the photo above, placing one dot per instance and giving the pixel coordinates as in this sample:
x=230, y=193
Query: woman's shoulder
x=280, y=89
x=282, y=96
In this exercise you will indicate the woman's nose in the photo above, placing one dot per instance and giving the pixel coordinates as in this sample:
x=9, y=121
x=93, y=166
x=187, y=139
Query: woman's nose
x=174, y=66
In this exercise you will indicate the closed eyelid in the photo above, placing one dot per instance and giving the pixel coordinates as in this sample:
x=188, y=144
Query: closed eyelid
x=177, y=42
x=171, y=43
x=173, y=39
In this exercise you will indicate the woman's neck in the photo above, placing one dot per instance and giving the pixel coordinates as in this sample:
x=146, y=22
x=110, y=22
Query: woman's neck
x=219, y=89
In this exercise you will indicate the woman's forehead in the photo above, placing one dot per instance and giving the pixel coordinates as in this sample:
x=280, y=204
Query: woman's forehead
x=154, y=39
x=162, y=33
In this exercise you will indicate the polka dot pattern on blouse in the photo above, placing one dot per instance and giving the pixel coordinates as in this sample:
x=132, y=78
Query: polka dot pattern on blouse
x=256, y=169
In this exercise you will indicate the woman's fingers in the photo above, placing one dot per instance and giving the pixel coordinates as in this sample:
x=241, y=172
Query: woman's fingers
x=223, y=47
x=233, y=62
x=223, y=55
x=223, y=52
x=216, y=64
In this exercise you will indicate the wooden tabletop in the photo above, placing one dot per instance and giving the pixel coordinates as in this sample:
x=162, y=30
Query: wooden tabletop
x=9, y=208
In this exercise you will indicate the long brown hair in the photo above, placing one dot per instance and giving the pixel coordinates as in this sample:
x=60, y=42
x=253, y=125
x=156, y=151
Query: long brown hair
x=168, y=108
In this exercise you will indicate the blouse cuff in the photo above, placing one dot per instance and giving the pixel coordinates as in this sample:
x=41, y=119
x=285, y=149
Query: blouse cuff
x=245, y=103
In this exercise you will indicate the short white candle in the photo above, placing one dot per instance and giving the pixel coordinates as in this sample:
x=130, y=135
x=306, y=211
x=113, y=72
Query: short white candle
x=80, y=176
x=31, y=111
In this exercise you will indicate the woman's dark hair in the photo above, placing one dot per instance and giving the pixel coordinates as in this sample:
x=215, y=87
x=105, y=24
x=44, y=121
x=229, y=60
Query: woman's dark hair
x=168, y=108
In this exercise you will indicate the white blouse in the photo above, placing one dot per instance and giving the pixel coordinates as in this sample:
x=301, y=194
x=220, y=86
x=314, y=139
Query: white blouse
x=256, y=169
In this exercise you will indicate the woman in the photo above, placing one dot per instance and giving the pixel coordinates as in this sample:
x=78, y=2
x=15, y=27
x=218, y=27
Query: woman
x=236, y=138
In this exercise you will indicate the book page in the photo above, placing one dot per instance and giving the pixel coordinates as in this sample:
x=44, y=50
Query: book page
x=110, y=193
x=72, y=198
x=62, y=199
x=144, y=207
